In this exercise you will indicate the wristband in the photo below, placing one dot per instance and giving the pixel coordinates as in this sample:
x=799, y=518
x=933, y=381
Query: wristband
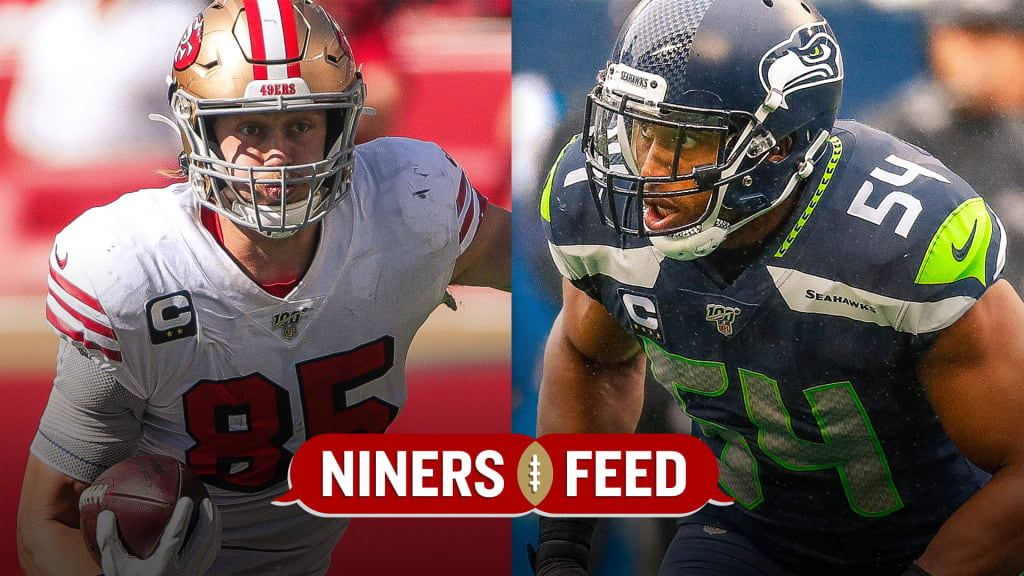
x=564, y=540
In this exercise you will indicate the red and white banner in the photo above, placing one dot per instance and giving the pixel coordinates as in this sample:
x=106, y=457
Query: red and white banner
x=503, y=475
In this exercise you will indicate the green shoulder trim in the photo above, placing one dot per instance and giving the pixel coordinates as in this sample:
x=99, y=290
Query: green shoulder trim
x=960, y=247
x=545, y=198
x=826, y=178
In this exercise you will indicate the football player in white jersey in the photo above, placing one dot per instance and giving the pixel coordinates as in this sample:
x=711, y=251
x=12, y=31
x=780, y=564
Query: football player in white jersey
x=270, y=298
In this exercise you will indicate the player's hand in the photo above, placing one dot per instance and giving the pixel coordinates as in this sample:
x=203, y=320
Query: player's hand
x=175, y=554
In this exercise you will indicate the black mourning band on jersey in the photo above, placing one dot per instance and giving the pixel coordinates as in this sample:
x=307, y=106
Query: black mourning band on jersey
x=563, y=542
x=915, y=570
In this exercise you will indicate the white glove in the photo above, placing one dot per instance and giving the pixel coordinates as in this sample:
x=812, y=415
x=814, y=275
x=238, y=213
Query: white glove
x=174, y=554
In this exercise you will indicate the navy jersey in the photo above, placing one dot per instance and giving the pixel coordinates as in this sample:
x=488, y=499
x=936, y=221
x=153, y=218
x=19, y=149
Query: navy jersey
x=800, y=374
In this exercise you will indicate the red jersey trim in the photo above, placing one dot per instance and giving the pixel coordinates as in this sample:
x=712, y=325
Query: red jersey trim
x=75, y=291
x=78, y=336
x=89, y=323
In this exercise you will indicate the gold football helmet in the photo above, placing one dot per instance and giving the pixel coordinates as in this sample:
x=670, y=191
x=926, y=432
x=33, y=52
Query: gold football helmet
x=257, y=56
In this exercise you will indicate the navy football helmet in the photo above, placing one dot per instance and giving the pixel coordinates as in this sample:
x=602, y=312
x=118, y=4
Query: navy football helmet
x=749, y=78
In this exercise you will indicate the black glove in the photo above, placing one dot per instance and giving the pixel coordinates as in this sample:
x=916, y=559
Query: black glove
x=915, y=570
x=563, y=548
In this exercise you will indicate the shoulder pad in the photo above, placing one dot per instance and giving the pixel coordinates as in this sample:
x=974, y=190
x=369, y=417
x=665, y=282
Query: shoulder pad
x=393, y=157
x=417, y=181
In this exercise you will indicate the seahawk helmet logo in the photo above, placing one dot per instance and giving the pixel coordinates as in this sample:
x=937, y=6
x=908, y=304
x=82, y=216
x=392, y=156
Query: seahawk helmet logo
x=810, y=57
x=723, y=317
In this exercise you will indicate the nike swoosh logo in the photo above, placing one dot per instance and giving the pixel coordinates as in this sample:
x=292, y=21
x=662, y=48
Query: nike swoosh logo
x=61, y=262
x=960, y=253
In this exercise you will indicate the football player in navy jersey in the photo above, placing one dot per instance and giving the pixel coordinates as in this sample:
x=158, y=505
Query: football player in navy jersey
x=823, y=300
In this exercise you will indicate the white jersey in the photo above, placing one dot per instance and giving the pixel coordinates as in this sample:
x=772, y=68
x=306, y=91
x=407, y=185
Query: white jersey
x=234, y=379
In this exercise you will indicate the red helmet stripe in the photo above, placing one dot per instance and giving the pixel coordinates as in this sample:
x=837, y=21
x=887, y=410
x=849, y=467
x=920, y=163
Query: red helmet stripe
x=274, y=38
x=291, y=35
x=258, y=47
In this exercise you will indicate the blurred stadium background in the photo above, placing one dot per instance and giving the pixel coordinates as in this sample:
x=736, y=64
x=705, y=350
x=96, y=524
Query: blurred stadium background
x=77, y=79
x=558, y=48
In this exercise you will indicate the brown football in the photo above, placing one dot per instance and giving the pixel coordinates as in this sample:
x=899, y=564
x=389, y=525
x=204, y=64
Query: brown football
x=142, y=493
